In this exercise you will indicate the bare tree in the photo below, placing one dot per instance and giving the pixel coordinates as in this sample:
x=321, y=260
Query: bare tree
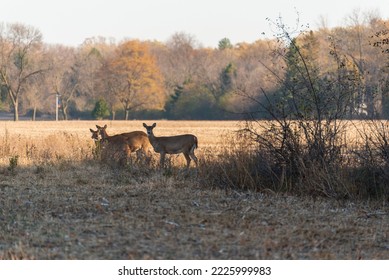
x=18, y=46
x=180, y=60
x=63, y=77
x=305, y=113
x=356, y=46
x=36, y=95
x=91, y=58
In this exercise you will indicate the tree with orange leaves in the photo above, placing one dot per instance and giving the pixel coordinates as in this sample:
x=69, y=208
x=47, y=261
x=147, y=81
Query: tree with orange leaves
x=134, y=78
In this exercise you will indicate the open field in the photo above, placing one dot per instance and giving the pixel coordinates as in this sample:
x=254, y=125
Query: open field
x=37, y=141
x=57, y=202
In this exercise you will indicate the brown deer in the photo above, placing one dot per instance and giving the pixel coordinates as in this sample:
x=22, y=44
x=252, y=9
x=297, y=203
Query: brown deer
x=95, y=135
x=116, y=149
x=185, y=144
x=96, y=151
x=137, y=141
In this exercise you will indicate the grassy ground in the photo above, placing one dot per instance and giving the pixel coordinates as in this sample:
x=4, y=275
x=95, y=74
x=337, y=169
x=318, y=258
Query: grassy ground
x=56, y=202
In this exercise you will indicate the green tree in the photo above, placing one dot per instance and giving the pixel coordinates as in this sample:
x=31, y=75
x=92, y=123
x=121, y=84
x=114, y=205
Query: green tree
x=302, y=92
x=225, y=43
x=193, y=102
x=101, y=110
x=172, y=101
x=227, y=77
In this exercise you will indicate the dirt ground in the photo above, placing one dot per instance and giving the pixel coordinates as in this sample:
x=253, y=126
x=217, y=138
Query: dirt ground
x=90, y=211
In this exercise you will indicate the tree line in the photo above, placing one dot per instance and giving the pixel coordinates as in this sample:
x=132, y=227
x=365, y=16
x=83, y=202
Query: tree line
x=180, y=79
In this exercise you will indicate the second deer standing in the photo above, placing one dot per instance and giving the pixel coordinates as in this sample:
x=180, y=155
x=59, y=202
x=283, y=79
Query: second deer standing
x=185, y=144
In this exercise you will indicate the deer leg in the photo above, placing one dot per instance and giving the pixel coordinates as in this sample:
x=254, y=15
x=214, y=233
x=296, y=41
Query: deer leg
x=123, y=161
x=148, y=155
x=143, y=156
x=139, y=155
x=162, y=160
x=125, y=155
x=192, y=155
x=187, y=157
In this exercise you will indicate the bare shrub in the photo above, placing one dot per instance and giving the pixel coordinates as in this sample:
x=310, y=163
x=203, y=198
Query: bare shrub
x=305, y=156
x=304, y=134
x=371, y=173
x=238, y=165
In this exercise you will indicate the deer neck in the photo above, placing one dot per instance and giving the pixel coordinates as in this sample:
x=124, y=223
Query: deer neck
x=152, y=138
x=104, y=135
x=154, y=141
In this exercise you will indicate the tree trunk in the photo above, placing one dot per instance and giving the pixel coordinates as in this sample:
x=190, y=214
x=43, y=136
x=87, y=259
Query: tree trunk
x=34, y=114
x=16, y=111
x=65, y=112
x=15, y=103
x=126, y=115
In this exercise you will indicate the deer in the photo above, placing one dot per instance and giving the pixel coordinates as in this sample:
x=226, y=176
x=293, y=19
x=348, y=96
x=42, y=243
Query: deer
x=137, y=141
x=95, y=135
x=114, y=149
x=185, y=144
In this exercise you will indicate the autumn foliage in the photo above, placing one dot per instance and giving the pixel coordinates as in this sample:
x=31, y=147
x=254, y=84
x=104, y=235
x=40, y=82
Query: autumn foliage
x=139, y=83
x=181, y=79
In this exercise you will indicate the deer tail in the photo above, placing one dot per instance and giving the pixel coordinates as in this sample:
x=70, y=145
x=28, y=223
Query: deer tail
x=195, y=145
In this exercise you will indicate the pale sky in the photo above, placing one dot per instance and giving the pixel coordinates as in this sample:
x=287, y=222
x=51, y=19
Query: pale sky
x=70, y=22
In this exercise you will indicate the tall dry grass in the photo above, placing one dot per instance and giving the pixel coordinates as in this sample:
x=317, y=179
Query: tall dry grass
x=50, y=142
x=228, y=159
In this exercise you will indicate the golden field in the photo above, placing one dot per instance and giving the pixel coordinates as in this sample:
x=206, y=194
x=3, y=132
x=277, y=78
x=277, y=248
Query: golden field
x=36, y=141
x=58, y=202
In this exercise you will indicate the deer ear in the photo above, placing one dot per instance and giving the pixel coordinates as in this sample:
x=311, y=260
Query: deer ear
x=91, y=130
x=105, y=126
x=154, y=124
x=145, y=125
x=98, y=127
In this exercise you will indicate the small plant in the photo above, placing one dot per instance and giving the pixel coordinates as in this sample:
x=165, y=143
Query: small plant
x=101, y=110
x=13, y=163
x=96, y=150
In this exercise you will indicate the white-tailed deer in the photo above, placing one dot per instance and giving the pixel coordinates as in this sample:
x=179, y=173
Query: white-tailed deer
x=137, y=141
x=185, y=144
x=114, y=150
x=96, y=151
x=95, y=135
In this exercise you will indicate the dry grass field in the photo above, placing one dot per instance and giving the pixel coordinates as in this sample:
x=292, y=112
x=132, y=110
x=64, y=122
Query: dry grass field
x=58, y=202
